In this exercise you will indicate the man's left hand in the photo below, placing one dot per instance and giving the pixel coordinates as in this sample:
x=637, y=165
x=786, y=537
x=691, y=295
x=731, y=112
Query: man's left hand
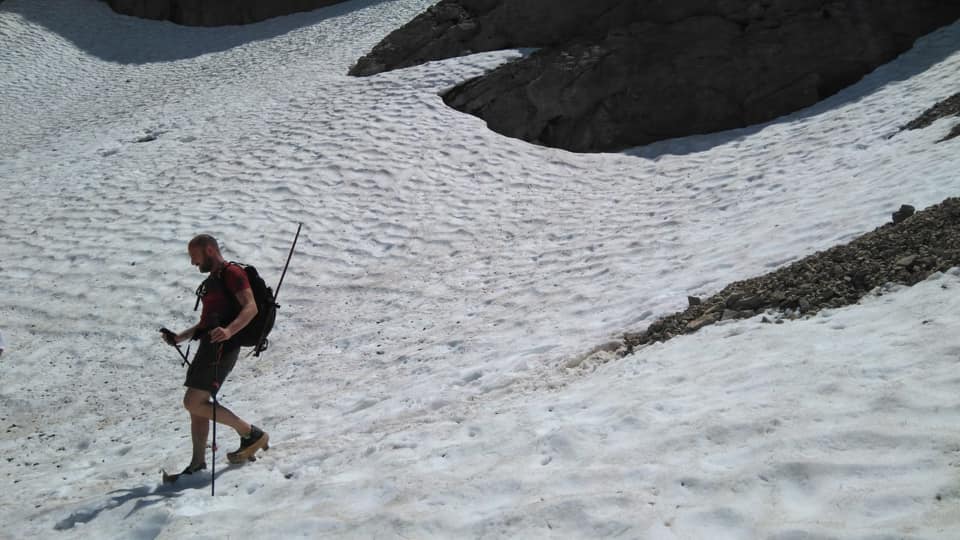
x=220, y=334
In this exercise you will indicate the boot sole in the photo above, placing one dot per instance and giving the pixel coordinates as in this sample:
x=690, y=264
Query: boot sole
x=247, y=454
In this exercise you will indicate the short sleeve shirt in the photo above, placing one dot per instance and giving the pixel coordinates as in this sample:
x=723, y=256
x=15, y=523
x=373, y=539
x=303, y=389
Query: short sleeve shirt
x=219, y=309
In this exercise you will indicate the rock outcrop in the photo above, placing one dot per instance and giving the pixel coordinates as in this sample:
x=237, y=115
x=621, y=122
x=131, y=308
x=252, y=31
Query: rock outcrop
x=946, y=108
x=214, y=12
x=612, y=74
x=906, y=252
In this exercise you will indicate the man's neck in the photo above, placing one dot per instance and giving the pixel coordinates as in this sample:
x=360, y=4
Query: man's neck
x=217, y=267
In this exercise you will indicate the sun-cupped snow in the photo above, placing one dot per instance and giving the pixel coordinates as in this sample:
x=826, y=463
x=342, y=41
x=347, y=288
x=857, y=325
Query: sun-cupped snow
x=416, y=382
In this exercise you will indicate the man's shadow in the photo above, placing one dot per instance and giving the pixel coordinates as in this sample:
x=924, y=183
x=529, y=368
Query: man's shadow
x=145, y=497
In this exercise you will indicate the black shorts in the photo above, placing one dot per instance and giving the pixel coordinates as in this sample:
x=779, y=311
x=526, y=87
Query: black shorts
x=212, y=363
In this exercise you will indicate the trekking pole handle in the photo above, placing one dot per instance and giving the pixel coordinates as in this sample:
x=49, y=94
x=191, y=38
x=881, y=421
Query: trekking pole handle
x=167, y=332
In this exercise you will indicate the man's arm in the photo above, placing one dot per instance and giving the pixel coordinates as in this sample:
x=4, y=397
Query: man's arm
x=173, y=339
x=188, y=333
x=248, y=310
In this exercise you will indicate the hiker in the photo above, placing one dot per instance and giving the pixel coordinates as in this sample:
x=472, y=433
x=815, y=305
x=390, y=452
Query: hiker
x=228, y=305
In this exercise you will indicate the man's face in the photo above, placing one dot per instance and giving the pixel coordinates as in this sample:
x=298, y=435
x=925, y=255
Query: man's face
x=200, y=258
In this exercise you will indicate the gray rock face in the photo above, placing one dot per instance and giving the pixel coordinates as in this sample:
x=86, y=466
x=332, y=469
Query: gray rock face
x=214, y=12
x=458, y=27
x=612, y=74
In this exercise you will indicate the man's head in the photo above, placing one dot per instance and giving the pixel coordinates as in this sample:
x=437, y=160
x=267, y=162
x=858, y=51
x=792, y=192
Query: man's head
x=204, y=252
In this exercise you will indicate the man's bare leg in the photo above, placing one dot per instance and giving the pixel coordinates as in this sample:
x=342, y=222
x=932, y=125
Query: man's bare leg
x=199, y=427
x=199, y=405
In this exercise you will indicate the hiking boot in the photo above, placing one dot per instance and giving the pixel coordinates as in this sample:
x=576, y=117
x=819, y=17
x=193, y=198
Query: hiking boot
x=254, y=441
x=194, y=468
x=171, y=478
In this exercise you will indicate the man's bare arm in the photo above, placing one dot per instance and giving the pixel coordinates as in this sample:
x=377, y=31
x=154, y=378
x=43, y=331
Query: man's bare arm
x=173, y=339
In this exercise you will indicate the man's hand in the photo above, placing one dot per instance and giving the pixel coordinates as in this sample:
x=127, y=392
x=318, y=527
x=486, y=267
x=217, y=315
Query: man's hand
x=168, y=336
x=219, y=334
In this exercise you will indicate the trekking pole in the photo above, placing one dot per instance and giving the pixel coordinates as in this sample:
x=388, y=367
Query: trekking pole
x=276, y=293
x=183, y=355
x=213, y=445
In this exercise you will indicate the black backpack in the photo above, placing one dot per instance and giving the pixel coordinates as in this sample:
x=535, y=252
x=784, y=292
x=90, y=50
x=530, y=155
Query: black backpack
x=255, y=333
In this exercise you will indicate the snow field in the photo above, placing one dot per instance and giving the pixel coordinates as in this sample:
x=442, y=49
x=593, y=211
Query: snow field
x=444, y=278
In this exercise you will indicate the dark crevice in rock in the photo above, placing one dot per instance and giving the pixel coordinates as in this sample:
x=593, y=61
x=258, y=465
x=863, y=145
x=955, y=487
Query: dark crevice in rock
x=906, y=252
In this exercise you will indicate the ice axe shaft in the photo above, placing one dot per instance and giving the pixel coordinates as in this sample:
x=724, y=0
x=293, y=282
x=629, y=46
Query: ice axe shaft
x=276, y=293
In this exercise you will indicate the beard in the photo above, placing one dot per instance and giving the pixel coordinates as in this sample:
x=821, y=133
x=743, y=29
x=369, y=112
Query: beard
x=206, y=265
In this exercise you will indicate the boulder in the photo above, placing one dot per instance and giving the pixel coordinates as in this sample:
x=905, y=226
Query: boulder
x=611, y=74
x=706, y=320
x=903, y=213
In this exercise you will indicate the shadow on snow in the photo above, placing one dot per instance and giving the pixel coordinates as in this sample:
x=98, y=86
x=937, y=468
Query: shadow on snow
x=96, y=29
x=145, y=497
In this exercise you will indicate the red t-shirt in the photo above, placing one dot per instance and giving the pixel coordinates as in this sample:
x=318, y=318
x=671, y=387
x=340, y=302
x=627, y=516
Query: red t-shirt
x=218, y=308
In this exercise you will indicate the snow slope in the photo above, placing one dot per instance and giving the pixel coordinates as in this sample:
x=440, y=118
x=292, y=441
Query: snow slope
x=418, y=385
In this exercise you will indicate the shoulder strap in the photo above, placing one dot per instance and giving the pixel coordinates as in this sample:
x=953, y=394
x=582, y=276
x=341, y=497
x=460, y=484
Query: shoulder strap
x=223, y=281
x=202, y=288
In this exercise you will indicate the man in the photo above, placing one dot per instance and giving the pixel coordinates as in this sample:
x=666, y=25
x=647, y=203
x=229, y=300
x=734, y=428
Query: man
x=228, y=306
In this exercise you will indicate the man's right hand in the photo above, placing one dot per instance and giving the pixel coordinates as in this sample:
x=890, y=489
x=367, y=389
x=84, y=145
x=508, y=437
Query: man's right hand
x=169, y=336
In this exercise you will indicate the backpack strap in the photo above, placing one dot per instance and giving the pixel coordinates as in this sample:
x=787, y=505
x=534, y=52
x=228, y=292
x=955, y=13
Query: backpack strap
x=226, y=290
x=202, y=288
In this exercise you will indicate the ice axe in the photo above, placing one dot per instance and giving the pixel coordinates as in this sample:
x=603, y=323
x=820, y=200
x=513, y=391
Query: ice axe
x=261, y=343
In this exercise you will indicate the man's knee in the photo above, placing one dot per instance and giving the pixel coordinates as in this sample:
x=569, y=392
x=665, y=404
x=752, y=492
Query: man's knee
x=194, y=399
